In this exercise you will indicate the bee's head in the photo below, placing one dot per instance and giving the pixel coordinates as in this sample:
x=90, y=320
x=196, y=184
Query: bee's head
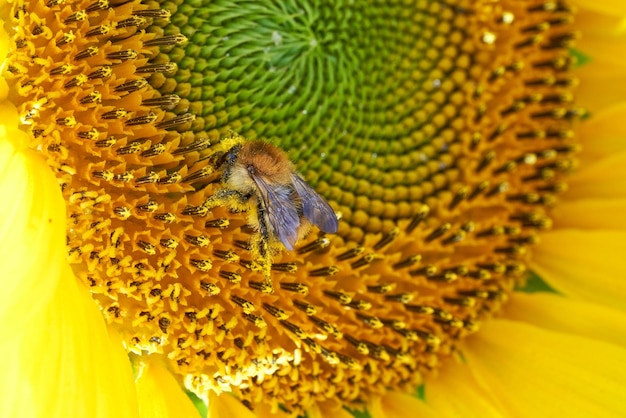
x=226, y=160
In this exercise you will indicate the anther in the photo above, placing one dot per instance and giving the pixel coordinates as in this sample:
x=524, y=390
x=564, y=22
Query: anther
x=364, y=261
x=167, y=101
x=480, y=274
x=466, y=302
x=133, y=21
x=488, y=157
x=459, y=196
x=86, y=53
x=400, y=297
x=564, y=40
x=164, y=324
x=176, y=121
x=103, y=72
x=146, y=119
x=353, y=252
x=170, y=179
x=199, y=241
x=295, y=287
x=168, y=243
x=341, y=297
x=166, y=40
x=294, y=329
x=246, y=305
x=98, y=31
x=427, y=271
x=114, y=114
x=513, y=250
x=219, y=223
x=454, y=238
x=421, y=214
x=498, y=188
x=230, y=276
x=407, y=262
x=387, y=238
x=131, y=86
x=324, y=271
x=153, y=13
x=381, y=288
x=202, y=265
x=62, y=70
x=372, y=321
x=257, y=321
x=316, y=245
x=166, y=217
x=122, y=211
x=198, y=145
x=66, y=38
x=360, y=305
x=547, y=6
x=151, y=177
x=263, y=287
x=326, y=327
x=229, y=256
x=124, y=55
x=438, y=232
x=76, y=17
x=154, y=150
x=497, y=132
x=156, y=68
x=444, y=277
x=276, y=312
x=360, y=346
x=94, y=97
x=151, y=206
x=131, y=148
x=305, y=307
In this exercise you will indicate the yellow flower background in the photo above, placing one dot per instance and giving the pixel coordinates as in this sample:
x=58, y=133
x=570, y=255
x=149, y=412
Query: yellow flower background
x=535, y=354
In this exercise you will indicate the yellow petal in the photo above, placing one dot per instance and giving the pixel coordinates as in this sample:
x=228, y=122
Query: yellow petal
x=540, y=373
x=323, y=411
x=585, y=265
x=452, y=394
x=591, y=214
x=226, y=406
x=557, y=313
x=394, y=405
x=56, y=355
x=604, y=134
x=4, y=47
x=32, y=227
x=67, y=361
x=613, y=7
x=159, y=394
x=602, y=84
x=602, y=179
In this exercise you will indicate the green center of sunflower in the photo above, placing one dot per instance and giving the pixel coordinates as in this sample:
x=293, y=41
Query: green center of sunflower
x=439, y=131
x=364, y=97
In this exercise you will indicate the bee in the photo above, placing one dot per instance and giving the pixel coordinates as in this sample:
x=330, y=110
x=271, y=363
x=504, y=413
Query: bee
x=261, y=174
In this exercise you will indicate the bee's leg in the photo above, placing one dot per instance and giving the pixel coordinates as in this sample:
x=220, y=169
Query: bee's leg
x=224, y=197
x=260, y=246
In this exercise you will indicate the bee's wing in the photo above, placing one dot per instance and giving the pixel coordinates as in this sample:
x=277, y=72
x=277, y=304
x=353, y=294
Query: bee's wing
x=280, y=211
x=315, y=208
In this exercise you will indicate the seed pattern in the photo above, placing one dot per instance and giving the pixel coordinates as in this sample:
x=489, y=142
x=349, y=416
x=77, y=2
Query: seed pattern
x=440, y=132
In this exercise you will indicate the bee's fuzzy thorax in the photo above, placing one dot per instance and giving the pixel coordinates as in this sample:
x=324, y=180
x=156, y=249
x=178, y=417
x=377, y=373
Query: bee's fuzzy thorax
x=268, y=160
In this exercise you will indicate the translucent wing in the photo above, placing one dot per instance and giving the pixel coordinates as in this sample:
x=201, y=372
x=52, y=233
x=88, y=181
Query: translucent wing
x=315, y=208
x=279, y=210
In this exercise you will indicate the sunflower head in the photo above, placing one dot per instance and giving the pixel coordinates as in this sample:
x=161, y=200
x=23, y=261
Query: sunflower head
x=440, y=133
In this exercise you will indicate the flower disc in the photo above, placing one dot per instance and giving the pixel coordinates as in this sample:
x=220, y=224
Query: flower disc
x=439, y=131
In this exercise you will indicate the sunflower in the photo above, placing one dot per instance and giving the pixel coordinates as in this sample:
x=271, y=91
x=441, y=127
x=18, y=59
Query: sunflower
x=443, y=134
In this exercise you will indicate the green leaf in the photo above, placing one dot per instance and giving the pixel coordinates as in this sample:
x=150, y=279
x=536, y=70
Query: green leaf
x=535, y=284
x=198, y=403
x=581, y=59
